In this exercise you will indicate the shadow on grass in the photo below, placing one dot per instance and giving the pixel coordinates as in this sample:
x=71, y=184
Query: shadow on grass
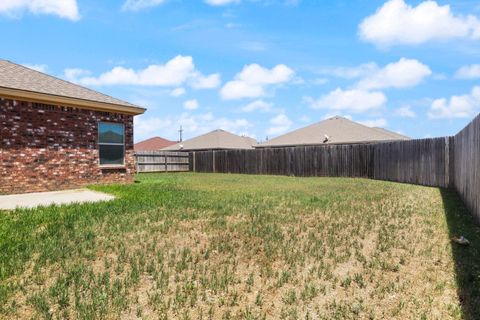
x=467, y=258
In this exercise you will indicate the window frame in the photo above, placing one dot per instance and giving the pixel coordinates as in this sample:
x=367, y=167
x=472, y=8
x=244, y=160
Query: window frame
x=110, y=144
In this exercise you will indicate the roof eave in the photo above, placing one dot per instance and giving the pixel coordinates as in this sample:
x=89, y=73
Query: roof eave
x=70, y=101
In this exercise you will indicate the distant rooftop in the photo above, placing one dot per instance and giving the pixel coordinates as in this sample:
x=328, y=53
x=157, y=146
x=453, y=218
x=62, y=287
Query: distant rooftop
x=153, y=144
x=335, y=130
x=19, y=81
x=215, y=140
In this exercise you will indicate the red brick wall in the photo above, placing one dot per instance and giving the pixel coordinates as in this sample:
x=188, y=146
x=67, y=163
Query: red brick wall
x=48, y=147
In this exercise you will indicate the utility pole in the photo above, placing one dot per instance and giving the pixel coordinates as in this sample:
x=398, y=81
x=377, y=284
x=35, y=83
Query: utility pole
x=181, y=133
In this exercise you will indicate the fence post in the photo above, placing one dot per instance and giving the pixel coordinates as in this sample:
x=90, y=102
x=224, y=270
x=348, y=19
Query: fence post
x=213, y=160
x=166, y=165
x=451, y=162
x=193, y=162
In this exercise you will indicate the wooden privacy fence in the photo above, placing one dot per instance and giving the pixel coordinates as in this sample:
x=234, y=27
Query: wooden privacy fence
x=424, y=161
x=161, y=161
x=466, y=167
x=441, y=162
x=335, y=160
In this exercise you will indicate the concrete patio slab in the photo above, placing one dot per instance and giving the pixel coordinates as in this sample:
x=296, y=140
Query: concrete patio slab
x=33, y=200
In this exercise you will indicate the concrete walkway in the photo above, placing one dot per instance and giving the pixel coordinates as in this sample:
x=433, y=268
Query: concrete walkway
x=32, y=200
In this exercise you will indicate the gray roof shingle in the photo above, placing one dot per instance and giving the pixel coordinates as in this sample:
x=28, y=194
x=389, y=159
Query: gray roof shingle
x=217, y=139
x=339, y=131
x=15, y=76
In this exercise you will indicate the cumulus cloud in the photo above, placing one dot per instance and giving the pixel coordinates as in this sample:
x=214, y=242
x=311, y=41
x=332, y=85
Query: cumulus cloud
x=198, y=81
x=379, y=123
x=464, y=106
x=177, y=92
x=191, y=104
x=397, y=22
x=67, y=9
x=221, y=2
x=137, y=5
x=405, y=112
x=72, y=74
x=253, y=81
x=176, y=72
x=279, y=124
x=402, y=74
x=193, y=125
x=257, y=105
x=350, y=72
x=355, y=100
x=37, y=67
x=468, y=72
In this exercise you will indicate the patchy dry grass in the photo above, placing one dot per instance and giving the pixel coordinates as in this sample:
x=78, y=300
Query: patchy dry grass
x=203, y=246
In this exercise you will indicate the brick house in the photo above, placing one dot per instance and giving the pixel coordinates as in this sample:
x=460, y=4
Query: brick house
x=58, y=135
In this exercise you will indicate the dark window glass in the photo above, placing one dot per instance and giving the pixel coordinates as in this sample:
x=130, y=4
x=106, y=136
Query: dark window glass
x=111, y=154
x=111, y=139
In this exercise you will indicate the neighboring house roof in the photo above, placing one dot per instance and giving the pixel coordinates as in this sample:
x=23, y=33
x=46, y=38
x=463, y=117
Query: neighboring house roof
x=214, y=140
x=339, y=130
x=155, y=143
x=17, y=81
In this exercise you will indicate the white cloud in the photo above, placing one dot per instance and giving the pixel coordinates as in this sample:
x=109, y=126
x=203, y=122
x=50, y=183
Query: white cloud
x=464, y=106
x=379, y=123
x=280, y=124
x=402, y=74
x=191, y=104
x=137, y=5
x=396, y=22
x=320, y=81
x=177, y=92
x=468, y=72
x=176, y=72
x=254, y=46
x=72, y=74
x=355, y=100
x=253, y=80
x=239, y=89
x=199, y=81
x=257, y=105
x=405, y=112
x=193, y=125
x=67, y=9
x=305, y=119
x=350, y=72
x=220, y=2
x=38, y=67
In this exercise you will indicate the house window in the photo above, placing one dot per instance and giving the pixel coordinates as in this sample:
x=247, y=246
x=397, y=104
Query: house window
x=111, y=143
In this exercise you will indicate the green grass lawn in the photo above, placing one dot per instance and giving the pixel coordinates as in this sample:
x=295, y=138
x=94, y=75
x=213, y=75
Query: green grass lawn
x=215, y=246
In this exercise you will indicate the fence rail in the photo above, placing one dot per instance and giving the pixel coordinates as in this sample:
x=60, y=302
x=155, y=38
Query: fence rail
x=338, y=160
x=424, y=161
x=161, y=161
x=466, y=163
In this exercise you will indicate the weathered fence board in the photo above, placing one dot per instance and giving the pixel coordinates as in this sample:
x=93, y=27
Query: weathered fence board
x=440, y=162
x=161, y=161
x=466, y=177
x=334, y=160
x=424, y=162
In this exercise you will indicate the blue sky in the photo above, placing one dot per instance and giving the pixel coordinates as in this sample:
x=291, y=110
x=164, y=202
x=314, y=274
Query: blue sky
x=260, y=67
